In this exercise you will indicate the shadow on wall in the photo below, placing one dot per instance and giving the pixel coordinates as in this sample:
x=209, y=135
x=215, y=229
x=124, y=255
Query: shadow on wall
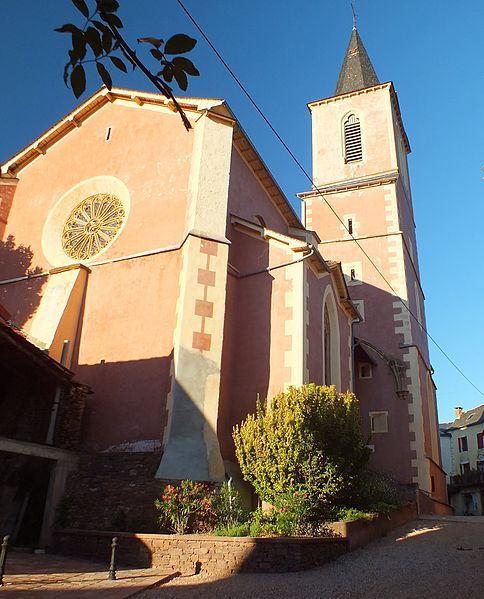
x=245, y=371
x=376, y=389
x=21, y=300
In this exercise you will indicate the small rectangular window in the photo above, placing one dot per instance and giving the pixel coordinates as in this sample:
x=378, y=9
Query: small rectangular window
x=108, y=134
x=462, y=444
x=432, y=484
x=350, y=226
x=379, y=422
x=365, y=371
x=465, y=468
x=480, y=440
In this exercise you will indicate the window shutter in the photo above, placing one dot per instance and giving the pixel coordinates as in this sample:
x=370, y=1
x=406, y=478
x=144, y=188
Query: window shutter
x=352, y=139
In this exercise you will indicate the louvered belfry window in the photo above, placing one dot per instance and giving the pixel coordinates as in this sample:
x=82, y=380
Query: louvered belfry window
x=352, y=139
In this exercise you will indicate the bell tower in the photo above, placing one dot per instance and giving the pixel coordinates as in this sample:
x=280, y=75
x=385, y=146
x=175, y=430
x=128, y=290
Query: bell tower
x=360, y=168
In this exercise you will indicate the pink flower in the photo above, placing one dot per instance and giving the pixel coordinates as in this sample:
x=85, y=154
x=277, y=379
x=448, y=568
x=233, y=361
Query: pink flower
x=282, y=510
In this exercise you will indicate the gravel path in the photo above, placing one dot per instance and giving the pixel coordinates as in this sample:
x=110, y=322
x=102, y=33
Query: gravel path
x=420, y=560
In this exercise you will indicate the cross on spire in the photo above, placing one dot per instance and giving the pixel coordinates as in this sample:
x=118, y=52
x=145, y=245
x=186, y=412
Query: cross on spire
x=353, y=10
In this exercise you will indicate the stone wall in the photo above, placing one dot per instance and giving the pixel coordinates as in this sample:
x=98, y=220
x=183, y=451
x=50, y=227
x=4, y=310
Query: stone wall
x=113, y=491
x=361, y=532
x=206, y=555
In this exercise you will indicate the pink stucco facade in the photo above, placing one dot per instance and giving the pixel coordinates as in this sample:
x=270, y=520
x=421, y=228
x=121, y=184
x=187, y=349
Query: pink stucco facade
x=374, y=238
x=209, y=296
x=210, y=292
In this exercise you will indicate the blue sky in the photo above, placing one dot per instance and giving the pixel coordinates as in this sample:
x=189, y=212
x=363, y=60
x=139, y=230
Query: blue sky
x=290, y=53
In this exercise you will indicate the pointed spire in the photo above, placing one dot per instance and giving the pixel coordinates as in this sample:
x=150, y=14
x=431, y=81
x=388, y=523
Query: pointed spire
x=357, y=71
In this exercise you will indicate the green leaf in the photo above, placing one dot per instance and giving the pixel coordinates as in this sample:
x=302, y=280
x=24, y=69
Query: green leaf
x=179, y=44
x=78, y=80
x=107, y=6
x=105, y=76
x=154, y=41
x=186, y=65
x=81, y=7
x=94, y=40
x=181, y=79
x=113, y=20
x=156, y=54
x=67, y=28
x=118, y=63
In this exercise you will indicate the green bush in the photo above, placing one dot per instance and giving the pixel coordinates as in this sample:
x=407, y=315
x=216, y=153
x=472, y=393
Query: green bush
x=375, y=491
x=228, y=507
x=351, y=513
x=239, y=530
x=307, y=441
x=188, y=507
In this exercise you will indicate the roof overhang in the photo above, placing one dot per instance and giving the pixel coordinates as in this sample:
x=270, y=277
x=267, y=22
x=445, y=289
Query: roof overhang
x=215, y=107
x=367, y=90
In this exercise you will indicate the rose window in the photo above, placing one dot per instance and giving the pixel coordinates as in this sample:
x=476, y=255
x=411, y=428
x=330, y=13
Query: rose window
x=92, y=226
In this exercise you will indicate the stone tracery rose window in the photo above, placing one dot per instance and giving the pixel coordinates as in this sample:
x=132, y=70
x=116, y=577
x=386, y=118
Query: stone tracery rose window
x=92, y=225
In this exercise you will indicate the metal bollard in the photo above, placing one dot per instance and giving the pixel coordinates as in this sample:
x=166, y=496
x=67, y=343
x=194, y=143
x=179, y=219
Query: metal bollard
x=112, y=565
x=3, y=558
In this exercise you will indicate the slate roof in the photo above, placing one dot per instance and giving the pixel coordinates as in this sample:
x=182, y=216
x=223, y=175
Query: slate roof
x=357, y=71
x=474, y=416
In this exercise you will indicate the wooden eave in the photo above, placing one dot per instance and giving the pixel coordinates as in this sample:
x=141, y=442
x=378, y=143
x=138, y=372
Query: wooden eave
x=216, y=107
x=258, y=167
x=16, y=344
x=75, y=119
x=344, y=296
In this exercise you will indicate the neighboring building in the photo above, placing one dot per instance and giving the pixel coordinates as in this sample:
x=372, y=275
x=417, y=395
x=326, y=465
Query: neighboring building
x=446, y=449
x=172, y=276
x=40, y=415
x=463, y=439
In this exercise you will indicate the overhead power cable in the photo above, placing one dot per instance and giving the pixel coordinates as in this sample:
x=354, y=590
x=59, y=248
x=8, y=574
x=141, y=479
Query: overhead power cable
x=320, y=194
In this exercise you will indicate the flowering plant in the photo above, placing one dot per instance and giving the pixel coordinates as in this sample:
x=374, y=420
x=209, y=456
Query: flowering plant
x=185, y=506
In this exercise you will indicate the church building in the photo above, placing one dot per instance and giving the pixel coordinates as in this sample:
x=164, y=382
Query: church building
x=170, y=275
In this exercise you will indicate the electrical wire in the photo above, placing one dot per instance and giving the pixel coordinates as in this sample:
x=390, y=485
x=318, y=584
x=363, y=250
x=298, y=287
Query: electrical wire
x=320, y=194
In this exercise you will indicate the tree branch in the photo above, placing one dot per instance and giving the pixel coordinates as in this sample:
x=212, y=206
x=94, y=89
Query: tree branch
x=164, y=89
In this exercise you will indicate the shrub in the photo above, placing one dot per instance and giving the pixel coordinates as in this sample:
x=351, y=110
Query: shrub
x=187, y=507
x=239, y=530
x=305, y=440
x=351, y=513
x=228, y=507
x=377, y=492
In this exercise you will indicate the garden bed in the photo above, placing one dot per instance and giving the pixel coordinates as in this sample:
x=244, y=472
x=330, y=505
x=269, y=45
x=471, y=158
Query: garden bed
x=206, y=554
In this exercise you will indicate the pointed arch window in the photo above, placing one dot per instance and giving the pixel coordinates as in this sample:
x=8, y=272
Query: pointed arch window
x=353, y=150
x=327, y=346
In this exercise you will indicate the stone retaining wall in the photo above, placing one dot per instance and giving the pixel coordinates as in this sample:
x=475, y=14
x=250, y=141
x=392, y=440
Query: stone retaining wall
x=203, y=554
x=361, y=532
x=113, y=491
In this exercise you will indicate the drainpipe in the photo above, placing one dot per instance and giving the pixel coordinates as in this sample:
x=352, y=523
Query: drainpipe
x=284, y=264
x=49, y=440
